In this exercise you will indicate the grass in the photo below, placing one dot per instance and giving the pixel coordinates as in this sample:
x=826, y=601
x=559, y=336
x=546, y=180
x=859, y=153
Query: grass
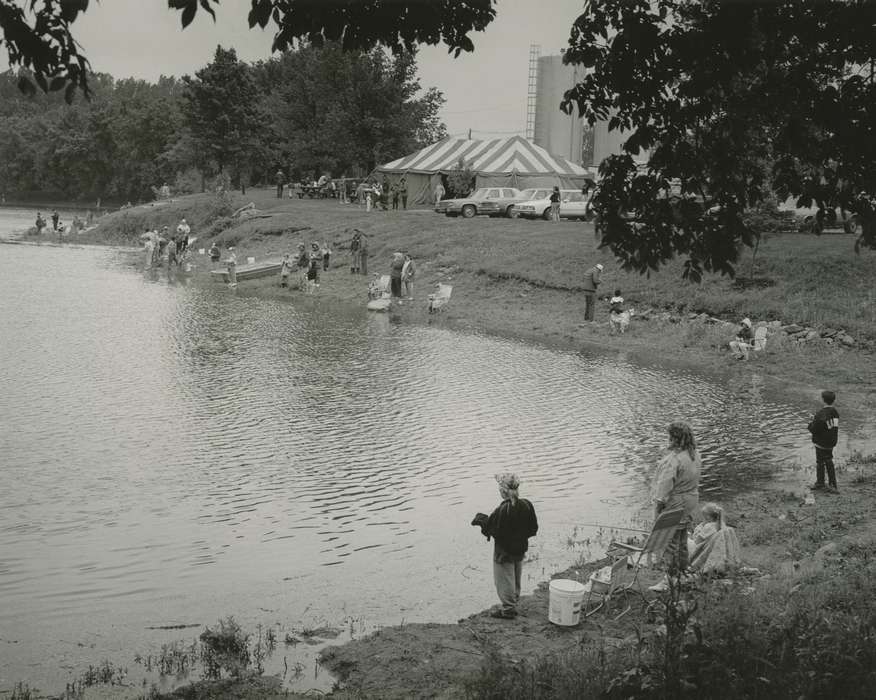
x=798, y=278
x=802, y=631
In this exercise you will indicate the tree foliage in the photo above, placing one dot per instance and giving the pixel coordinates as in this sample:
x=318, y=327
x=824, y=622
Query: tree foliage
x=337, y=111
x=321, y=110
x=221, y=110
x=734, y=102
x=39, y=38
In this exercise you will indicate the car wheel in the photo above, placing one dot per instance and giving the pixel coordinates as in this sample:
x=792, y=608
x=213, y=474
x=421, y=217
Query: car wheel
x=546, y=214
x=469, y=210
x=509, y=211
x=852, y=225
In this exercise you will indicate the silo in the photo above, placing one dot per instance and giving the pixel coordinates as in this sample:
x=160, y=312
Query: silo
x=555, y=131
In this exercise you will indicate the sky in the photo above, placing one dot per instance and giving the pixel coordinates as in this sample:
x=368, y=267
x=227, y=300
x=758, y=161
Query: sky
x=485, y=90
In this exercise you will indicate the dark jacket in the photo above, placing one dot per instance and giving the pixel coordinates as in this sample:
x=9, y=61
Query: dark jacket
x=511, y=525
x=825, y=427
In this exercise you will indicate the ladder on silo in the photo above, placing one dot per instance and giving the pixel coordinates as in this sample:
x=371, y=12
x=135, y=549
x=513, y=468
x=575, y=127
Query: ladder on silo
x=531, y=97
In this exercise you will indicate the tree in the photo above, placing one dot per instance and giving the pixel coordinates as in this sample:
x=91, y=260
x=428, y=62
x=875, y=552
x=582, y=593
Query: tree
x=221, y=111
x=734, y=102
x=338, y=111
x=42, y=40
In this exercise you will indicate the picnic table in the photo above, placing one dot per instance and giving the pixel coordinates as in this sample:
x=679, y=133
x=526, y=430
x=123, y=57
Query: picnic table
x=315, y=191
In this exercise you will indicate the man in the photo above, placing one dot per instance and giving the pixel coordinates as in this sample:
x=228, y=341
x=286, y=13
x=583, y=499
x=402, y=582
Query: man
x=403, y=192
x=825, y=430
x=591, y=283
x=281, y=181
x=55, y=218
x=182, y=234
x=439, y=192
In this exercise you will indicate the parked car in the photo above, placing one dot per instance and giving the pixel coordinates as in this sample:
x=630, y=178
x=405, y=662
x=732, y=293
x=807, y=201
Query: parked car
x=492, y=201
x=573, y=205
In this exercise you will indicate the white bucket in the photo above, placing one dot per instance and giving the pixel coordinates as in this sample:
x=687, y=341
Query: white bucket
x=250, y=260
x=564, y=606
x=201, y=251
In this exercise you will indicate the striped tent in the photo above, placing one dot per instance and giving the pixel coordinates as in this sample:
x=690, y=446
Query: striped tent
x=508, y=162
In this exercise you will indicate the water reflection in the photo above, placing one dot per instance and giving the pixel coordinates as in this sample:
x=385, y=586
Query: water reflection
x=179, y=453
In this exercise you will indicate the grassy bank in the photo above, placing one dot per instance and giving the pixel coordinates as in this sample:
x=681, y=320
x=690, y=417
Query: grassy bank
x=802, y=627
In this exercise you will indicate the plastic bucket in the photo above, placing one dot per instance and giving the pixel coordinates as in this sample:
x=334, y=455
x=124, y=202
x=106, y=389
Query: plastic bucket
x=250, y=260
x=201, y=251
x=564, y=606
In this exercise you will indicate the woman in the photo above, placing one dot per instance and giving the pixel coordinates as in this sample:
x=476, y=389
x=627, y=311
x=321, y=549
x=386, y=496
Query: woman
x=510, y=525
x=677, y=485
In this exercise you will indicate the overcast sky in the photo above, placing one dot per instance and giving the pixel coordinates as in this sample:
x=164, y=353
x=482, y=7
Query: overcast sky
x=485, y=91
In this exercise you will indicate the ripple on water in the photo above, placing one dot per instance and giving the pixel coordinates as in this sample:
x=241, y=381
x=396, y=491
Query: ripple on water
x=183, y=448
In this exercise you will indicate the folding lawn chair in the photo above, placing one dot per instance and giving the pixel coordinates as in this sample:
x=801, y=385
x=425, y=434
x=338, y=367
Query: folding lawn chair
x=661, y=535
x=439, y=299
x=605, y=589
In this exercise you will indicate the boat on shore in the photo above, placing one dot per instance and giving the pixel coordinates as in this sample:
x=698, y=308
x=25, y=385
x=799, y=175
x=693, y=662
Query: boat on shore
x=250, y=271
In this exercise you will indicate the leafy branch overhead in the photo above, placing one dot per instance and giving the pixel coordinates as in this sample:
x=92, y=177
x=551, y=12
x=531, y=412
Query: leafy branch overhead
x=38, y=36
x=731, y=104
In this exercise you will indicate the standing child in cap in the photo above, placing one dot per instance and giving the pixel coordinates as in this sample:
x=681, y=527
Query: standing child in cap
x=742, y=344
x=510, y=525
x=591, y=283
x=825, y=429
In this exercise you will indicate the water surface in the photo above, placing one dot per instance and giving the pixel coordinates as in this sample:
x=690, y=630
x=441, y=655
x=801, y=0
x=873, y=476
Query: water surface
x=171, y=454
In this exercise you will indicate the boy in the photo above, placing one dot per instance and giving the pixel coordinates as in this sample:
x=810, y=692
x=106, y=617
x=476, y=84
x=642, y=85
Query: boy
x=825, y=428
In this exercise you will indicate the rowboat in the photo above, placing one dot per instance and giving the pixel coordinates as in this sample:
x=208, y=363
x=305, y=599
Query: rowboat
x=250, y=271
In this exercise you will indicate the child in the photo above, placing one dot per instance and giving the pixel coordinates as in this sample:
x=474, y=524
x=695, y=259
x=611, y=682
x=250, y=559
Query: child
x=231, y=264
x=326, y=256
x=408, y=277
x=824, y=427
x=215, y=254
x=618, y=317
x=374, y=290
x=713, y=547
x=285, y=269
x=510, y=525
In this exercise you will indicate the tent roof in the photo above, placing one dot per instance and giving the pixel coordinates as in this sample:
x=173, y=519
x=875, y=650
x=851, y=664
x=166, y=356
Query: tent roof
x=514, y=154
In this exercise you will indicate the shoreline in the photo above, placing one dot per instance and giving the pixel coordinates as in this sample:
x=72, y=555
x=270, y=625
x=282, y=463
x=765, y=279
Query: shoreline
x=420, y=658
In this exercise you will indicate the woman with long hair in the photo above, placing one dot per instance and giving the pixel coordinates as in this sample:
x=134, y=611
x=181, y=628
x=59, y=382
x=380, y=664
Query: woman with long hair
x=677, y=485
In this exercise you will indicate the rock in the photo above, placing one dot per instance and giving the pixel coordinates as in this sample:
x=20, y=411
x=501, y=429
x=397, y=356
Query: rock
x=829, y=332
x=846, y=340
x=812, y=335
x=791, y=329
x=692, y=316
x=674, y=319
x=711, y=320
x=774, y=324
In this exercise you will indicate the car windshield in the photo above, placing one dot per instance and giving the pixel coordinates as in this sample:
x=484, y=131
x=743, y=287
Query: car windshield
x=533, y=193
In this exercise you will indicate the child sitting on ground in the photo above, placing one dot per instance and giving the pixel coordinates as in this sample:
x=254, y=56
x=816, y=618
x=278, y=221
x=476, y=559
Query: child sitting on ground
x=713, y=547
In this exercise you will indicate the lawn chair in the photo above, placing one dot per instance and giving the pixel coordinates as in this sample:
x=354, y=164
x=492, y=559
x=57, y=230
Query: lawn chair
x=661, y=535
x=439, y=299
x=760, y=338
x=605, y=589
x=379, y=296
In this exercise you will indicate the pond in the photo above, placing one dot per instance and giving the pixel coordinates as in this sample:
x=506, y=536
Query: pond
x=173, y=454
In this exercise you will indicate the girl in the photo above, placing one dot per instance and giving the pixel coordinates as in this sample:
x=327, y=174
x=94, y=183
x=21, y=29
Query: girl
x=510, y=525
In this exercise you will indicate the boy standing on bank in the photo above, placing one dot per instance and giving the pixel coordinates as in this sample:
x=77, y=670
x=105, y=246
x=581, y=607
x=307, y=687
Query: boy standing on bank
x=825, y=428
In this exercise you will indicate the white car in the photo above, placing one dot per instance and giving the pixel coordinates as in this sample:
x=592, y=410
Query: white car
x=573, y=205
